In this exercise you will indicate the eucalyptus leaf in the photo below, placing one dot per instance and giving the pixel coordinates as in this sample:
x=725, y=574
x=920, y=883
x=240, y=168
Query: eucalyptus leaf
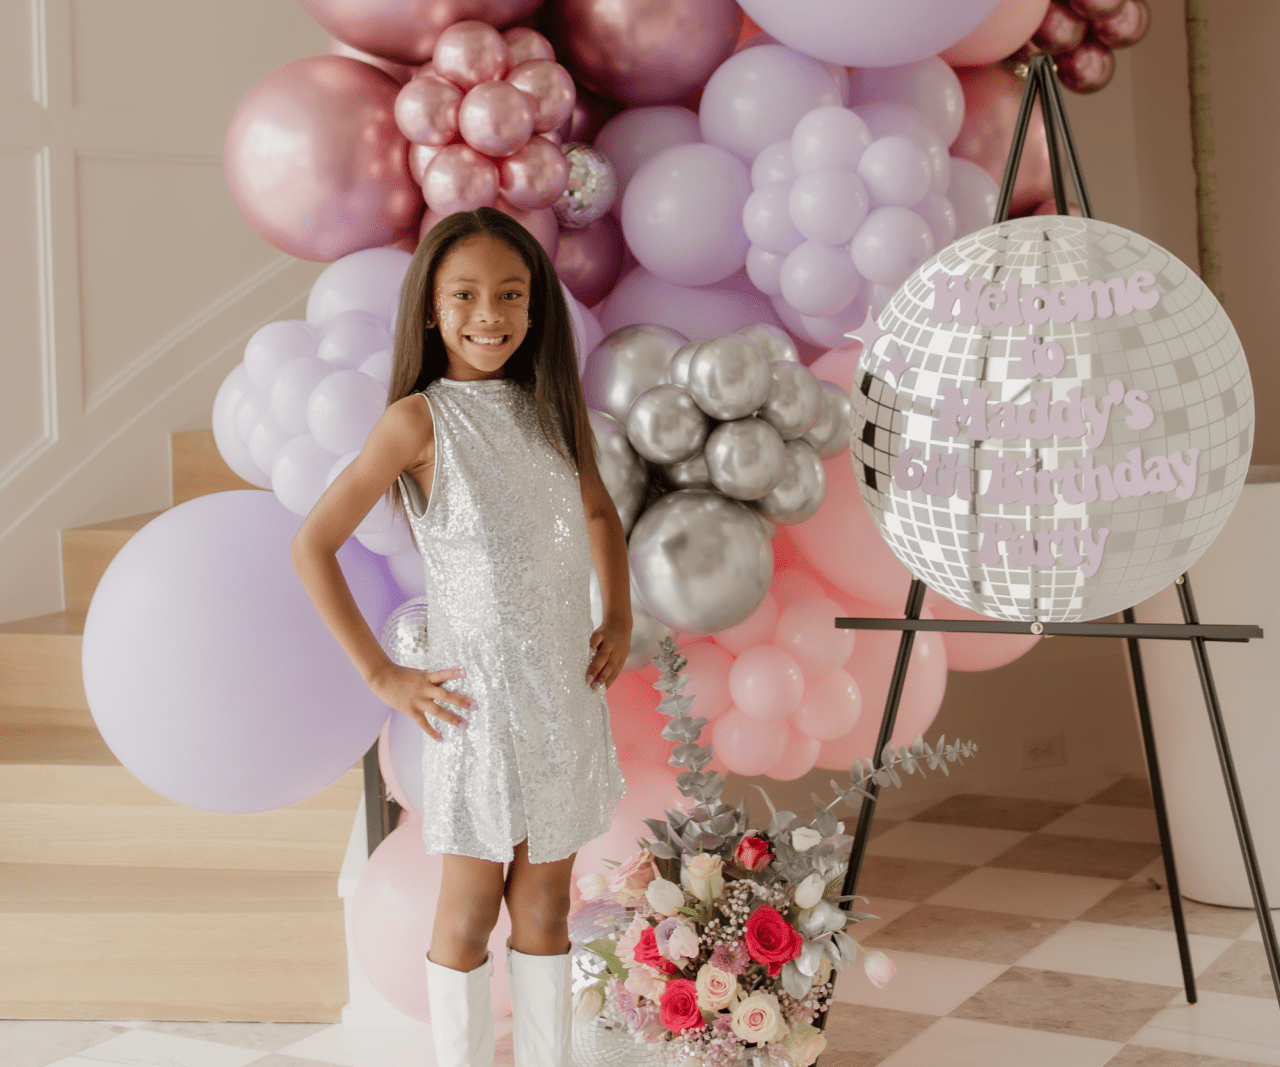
x=608, y=951
x=795, y=983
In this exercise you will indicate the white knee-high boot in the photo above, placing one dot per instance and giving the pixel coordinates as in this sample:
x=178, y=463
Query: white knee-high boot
x=541, y=1008
x=461, y=1014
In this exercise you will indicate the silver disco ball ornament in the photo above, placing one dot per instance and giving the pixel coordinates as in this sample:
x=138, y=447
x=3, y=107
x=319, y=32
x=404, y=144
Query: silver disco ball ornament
x=1052, y=419
x=606, y=1042
x=591, y=189
x=404, y=634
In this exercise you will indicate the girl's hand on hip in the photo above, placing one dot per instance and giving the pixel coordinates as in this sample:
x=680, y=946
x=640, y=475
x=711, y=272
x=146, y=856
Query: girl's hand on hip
x=421, y=696
x=611, y=643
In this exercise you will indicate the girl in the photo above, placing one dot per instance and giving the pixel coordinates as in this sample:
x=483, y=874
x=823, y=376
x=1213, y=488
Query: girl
x=485, y=443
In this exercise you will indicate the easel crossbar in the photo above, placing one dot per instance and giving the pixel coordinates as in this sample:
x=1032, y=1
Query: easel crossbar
x=1158, y=631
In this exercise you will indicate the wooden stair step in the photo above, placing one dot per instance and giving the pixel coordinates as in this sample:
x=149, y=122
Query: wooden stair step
x=53, y=743
x=198, y=467
x=40, y=661
x=86, y=552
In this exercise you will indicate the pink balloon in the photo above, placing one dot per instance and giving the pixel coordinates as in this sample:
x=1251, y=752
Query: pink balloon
x=708, y=674
x=839, y=365
x=387, y=766
x=590, y=113
x=830, y=706
x=495, y=118
x=632, y=137
x=315, y=162
x=807, y=630
x=976, y=652
x=551, y=88
x=420, y=157
x=534, y=175
x=470, y=52
x=524, y=44
x=637, y=725
x=745, y=745
x=766, y=683
x=541, y=222
x=640, y=52
x=589, y=260
x=1006, y=30
x=650, y=791
x=429, y=219
x=699, y=313
x=798, y=757
x=459, y=179
x=401, y=72
x=756, y=629
x=788, y=586
x=393, y=913
x=427, y=111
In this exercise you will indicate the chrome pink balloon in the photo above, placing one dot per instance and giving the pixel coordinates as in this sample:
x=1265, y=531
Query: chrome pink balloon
x=314, y=160
x=541, y=223
x=470, y=52
x=525, y=44
x=420, y=156
x=644, y=51
x=589, y=260
x=401, y=72
x=407, y=30
x=550, y=87
x=459, y=179
x=534, y=176
x=495, y=118
x=427, y=110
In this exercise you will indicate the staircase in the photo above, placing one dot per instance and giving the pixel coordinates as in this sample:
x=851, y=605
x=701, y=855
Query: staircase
x=117, y=903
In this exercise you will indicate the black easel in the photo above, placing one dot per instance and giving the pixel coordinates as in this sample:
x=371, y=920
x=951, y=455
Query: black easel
x=1042, y=82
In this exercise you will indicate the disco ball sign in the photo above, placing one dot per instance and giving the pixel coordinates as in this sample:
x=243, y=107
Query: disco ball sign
x=1053, y=419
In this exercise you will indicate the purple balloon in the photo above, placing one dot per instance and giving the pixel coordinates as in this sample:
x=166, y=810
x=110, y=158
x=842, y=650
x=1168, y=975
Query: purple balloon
x=886, y=117
x=896, y=170
x=928, y=85
x=291, y=389
x=940, y=214
x=235, y=387
x=824, y=331
x=773, y=164
x=633, y=137
x=352, y=337
x=828, y=205
x=343, y=409
x=274, y=345
x=973, y=193
x=697, y=313
x=829, y=137
x=765, y=271
x=766, y=219
x=266, y=438
x=890, y=245
x=299, y=472
x=758, y=96
x=819, y=279
x=368, y=280
x=869, y=33
x=682, y=214
x=210, y=674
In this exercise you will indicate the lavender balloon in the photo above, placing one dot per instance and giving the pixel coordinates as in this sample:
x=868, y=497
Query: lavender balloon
x=892, y=243
x=208, y=671
x=929, y=85
x=819, y=279
x=696, y=312
x=234, y=388
x=368, y=280
x=633, y=137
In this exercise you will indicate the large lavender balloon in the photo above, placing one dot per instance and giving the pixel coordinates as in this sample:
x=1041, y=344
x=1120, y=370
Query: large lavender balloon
x=1053, y=419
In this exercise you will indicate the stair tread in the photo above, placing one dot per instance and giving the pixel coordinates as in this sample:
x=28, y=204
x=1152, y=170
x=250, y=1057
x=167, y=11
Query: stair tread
x=131, y=523
x=59, y=623
x=54, y=744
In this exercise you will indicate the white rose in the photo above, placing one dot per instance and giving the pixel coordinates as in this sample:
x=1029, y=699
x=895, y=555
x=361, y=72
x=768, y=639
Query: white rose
x=758, y=1019
x=804, y=838
x=587, y=1003
x=716, y=988
x=666, y=898
x=592, y=886
x=810, y=891
x=803, y=1045
x=697, y=871
x=682, y=945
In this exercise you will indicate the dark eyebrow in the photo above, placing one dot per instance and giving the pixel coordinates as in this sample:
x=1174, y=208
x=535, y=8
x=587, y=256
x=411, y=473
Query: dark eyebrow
x=472, y=281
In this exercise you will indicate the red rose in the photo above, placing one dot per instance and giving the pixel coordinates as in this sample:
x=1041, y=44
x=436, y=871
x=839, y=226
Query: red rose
x=771, y=939
x=679, y=1007
x=753, y=854
x=647, y=952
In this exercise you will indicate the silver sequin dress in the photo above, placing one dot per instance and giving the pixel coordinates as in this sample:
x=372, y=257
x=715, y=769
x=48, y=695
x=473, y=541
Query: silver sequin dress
x=504, y=543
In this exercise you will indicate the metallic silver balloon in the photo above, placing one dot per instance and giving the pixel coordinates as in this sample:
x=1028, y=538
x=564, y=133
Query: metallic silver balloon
x=803, y=487
x=691, y=473
x=404, y=634
x=774, y=341
x=729, y=377
x=646, y=631
x=830, y=434
x=795, y=401
x=591, y=189
x=623, y=472
x=625, y=364
x=701, y=561
x=678, y=369
x=746, y=458
x=665, y=425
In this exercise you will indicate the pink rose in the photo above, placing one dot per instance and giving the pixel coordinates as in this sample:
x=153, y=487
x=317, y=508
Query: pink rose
x=631, y=877
x=753, y=854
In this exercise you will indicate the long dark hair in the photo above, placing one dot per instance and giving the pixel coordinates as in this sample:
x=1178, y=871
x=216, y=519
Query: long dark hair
x=547, y=358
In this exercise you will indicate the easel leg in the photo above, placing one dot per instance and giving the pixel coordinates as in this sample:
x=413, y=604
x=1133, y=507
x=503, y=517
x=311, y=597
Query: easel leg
x=1229, y=779
x=1162, y=813
x=376, y=815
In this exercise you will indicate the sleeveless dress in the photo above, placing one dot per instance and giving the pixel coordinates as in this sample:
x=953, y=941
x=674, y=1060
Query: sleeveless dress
x=503, y=539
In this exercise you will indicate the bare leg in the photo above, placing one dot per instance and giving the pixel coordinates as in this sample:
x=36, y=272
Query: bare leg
x=537, y=897
x=470, y=896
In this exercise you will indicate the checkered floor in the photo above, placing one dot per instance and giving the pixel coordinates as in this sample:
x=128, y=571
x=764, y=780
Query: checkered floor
x=1027, y=933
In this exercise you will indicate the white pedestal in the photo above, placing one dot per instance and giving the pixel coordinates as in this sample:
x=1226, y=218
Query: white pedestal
x=1236, y=581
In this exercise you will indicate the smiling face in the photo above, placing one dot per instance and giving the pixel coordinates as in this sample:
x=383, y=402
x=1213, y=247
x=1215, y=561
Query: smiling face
x=481, y=306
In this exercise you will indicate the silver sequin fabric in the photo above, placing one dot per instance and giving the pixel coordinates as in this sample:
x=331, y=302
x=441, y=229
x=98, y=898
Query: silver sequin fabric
x=504, y=544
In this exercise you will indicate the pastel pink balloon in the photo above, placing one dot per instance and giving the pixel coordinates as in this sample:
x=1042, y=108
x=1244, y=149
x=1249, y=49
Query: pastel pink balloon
x=698, y=312
x=1005, y=30
x=650, y=788
x=766, y=683
x=807, y=630
x=401, y=72
x=314, y=160
x=976, y=652
x=756, y=629
x=551, y=88
x=636, y=723
x=420, y=157
x=459, y=179
x=745, y=745
x=387, y=767
x=470, y=52
x=798, y=757
x=541, y=222
x=830, y=706
x=427, y=110
x=839, y=365
x=534, y=175
x=495, y=118
x=788, y=586
x=589, y=259
x=525, y=43
x=634, y=136
x=640, y=52
x=708, y=674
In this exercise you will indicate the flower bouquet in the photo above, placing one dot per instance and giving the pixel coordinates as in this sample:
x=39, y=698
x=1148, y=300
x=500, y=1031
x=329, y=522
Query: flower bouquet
x=717, y=943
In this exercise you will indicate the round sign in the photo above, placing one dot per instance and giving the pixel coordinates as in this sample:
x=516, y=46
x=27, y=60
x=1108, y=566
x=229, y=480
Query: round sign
x=1053, y=419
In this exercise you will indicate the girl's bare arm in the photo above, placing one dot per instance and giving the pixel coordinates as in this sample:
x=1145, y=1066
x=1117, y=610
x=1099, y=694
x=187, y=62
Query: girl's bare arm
x=612, y=640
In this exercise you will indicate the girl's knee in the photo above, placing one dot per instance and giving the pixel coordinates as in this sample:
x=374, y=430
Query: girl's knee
x=540, y=907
